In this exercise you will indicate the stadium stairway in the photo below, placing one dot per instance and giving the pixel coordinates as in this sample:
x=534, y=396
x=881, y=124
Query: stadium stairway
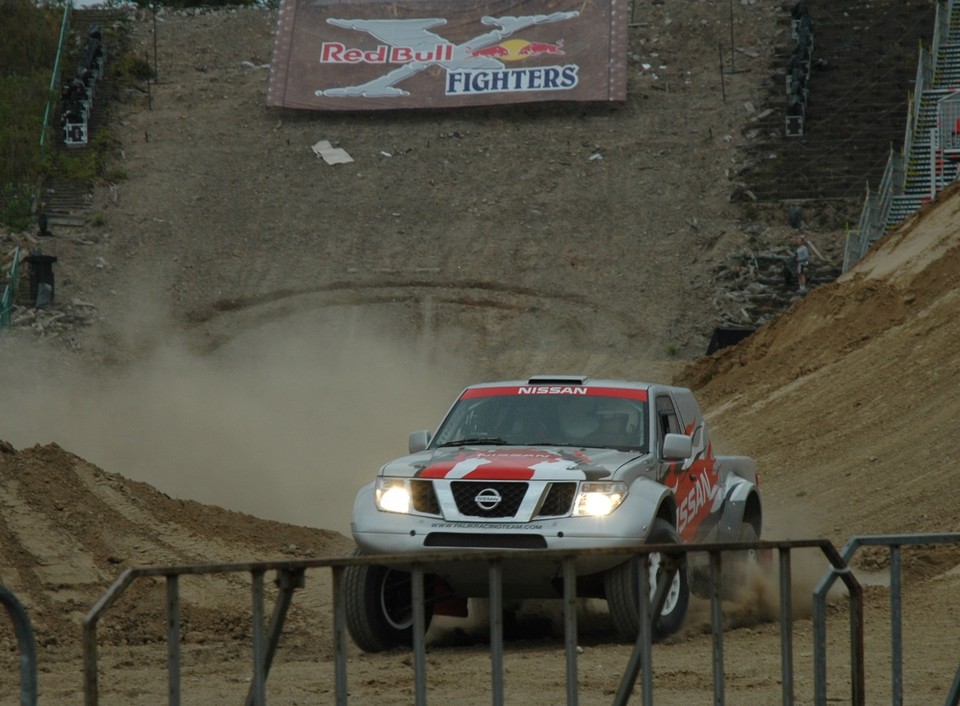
x=865, y=63
x=925, y=176
x=67, y=201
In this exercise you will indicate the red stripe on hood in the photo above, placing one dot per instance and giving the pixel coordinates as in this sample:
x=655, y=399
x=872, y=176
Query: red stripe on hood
x=505, y=465
x=488, y=473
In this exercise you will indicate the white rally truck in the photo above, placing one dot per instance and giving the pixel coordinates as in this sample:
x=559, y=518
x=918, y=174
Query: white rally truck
x=551, y=462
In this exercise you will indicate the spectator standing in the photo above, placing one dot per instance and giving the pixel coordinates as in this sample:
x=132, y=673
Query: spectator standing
x=803, y=259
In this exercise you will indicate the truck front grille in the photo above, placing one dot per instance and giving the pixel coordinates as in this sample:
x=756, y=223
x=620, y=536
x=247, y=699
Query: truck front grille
x=558, y=500
x=485, y=541
x=488, y=498
x=424, y=499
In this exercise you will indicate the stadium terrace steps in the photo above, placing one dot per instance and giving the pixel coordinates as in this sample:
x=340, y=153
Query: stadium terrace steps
x=857, y=107
x=67, y=202
x=925, y=174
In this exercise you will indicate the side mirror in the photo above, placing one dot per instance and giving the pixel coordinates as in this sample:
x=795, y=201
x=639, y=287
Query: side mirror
x=677, y=446
x=418, y=441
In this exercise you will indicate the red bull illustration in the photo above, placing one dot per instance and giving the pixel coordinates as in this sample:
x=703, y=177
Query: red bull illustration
x=497, y=51
x=518, y=50
x=537, y=48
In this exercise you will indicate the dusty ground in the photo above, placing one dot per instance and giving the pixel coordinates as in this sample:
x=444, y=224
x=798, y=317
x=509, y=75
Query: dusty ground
x=268, y=329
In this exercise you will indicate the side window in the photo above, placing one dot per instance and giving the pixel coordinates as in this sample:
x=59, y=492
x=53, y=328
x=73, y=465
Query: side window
x=667, y=420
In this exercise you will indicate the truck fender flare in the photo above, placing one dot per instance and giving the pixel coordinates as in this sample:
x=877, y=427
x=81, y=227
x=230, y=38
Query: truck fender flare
x=740, y=497
x=654, y=500
x=741, y=466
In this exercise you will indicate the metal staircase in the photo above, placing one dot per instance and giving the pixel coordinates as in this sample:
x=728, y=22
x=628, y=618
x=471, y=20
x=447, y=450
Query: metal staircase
x=930, y=160
x=67, y=202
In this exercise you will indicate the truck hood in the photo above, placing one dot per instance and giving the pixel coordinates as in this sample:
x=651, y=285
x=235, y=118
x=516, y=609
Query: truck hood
x=512, y=463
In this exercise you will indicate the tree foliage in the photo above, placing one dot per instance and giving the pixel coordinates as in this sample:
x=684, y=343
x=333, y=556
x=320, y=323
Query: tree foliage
x=28, y=47
x=28, y=37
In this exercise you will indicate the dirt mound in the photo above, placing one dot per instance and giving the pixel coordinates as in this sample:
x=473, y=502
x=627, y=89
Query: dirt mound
x=846, y=399
x=68, y=529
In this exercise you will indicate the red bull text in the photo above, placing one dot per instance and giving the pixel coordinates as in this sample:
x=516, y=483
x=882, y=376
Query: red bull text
x=337, y=53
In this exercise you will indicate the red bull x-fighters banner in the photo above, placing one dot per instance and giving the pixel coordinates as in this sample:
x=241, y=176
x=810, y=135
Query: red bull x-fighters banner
x=373, y=55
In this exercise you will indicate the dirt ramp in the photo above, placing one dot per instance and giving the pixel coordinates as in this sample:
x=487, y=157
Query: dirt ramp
x=846, y=399
x=68, y=529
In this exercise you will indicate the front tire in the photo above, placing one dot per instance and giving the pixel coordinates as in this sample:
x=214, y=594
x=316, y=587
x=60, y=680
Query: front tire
x=379, y=607
x=623, y=593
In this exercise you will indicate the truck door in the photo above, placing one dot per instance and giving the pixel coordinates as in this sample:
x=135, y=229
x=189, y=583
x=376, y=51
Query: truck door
x=691, y=480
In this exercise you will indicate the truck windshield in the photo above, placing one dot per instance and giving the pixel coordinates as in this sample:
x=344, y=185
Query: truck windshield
x=546, y=420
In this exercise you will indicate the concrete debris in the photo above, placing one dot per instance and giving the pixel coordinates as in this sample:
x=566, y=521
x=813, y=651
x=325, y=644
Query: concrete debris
x=757, y=282
x=57, y=321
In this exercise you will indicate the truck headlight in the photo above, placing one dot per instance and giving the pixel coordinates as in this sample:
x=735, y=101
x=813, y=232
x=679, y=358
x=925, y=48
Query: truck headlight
x=393, y=495
x=599, y=499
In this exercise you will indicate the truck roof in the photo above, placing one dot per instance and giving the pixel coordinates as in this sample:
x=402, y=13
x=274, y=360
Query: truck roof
x=576, y=381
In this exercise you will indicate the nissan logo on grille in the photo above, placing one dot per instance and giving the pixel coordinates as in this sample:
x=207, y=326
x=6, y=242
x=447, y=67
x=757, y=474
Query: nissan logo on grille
x=487, y=499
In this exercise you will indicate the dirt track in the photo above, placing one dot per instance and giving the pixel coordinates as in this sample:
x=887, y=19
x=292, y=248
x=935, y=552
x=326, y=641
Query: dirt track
x=269, y=330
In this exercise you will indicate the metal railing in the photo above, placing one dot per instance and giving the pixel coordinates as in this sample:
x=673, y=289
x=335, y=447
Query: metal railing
x=10, y=289
x=290, y=575
x=875, y=222
x=948, y=118
x=55, y=77
x=876, y=209
x=26, y=644
x=894, y=542
x=926, y=64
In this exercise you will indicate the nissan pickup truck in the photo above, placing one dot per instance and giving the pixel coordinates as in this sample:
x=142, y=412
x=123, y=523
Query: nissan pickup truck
x=550, y=462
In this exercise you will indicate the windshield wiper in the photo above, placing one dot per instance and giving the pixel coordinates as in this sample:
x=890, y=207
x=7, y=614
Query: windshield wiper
x=475, y=441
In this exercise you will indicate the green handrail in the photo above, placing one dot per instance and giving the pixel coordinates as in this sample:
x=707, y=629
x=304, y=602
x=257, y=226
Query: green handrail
x=54, y=77
x=9, y=291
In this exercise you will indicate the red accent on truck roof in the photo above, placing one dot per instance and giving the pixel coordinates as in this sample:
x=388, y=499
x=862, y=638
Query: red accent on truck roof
x=628, y=393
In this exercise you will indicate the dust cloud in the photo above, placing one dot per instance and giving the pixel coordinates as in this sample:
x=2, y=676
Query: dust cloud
x=756, y=599
x=286, y=421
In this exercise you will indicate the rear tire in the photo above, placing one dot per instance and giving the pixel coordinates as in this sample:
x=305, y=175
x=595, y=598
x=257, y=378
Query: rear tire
x=740, y=565
x=623, y=593
x=379, y=607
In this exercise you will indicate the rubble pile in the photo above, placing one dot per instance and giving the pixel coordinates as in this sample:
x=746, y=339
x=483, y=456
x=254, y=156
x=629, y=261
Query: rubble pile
x=56, y=323
x=756, y=281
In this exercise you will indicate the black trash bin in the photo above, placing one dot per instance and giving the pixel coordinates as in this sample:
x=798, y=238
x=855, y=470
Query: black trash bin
x=723, y=337
x=41, y=273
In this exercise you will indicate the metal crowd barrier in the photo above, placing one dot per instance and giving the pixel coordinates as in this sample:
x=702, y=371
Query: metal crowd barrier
x=894, y=542
x=25, y=644
x=290, y=575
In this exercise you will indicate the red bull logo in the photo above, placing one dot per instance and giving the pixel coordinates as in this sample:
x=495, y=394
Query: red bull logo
x=538, y=48
x=517, y=50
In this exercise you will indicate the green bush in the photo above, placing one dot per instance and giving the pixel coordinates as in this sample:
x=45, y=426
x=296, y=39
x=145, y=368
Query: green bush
x=15, y=209
x=22, y=99
x=28, y=47
x=78, y=166
x=29, y=34
x=28, y=38
x=134, y=67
